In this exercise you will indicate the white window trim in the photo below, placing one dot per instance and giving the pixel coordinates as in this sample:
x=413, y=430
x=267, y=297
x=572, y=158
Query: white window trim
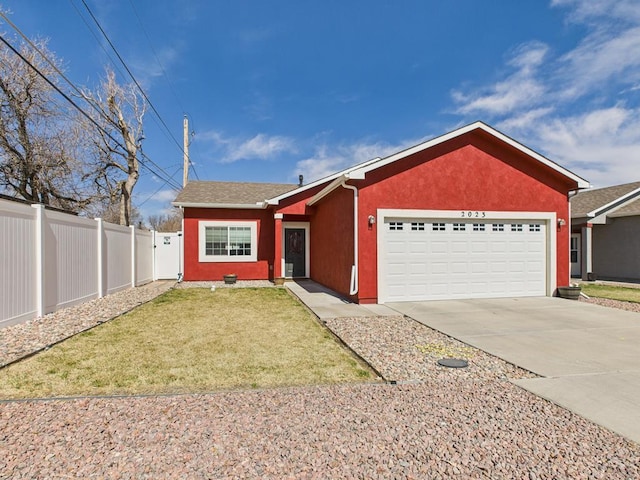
x=202, y=242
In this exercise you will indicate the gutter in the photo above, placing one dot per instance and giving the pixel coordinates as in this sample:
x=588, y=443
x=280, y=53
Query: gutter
x=353, y=286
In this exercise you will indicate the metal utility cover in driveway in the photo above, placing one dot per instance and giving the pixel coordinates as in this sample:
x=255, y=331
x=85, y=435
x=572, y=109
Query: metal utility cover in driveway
x=588, y=354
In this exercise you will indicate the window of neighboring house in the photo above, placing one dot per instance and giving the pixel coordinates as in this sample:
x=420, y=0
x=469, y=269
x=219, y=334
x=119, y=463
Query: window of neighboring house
x=227, y=241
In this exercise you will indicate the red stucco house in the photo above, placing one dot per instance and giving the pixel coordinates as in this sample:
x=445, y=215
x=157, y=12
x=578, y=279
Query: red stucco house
x=470, y=214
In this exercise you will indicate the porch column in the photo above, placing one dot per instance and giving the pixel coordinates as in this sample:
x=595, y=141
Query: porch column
x=586, y=263
x=277, y=254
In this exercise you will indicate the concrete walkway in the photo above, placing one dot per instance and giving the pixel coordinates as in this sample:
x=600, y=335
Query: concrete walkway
x=326, y=303
x=588, y=355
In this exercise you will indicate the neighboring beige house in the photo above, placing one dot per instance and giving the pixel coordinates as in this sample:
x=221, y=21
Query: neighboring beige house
x=605, y=233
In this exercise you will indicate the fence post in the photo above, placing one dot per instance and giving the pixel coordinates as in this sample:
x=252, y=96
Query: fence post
x=133, y=255
x=40, y=260
x=153, y=256
x=100, y=259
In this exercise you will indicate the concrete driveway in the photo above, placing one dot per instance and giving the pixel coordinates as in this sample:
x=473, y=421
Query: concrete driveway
x=588, y=355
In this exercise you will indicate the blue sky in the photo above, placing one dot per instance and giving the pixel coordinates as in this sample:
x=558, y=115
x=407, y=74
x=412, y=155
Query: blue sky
x=280, y=88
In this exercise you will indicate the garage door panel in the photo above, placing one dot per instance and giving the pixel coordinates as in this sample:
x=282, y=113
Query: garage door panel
x=438, y=246
x=417, y=268
x=444, y=259
x=479, y=268
x=439, y=268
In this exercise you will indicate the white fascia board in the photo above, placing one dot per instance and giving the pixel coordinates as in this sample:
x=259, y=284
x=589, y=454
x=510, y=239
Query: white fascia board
x=327, y=190
x=582, y=183
x=598, y=219
x=276, y=200
x=616, y=204
x=245, y=206
x=355, y=175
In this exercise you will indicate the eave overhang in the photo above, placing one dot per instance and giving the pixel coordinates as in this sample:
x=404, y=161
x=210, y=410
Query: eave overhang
x=235, y=206
x=615, y=204
x=341, y=180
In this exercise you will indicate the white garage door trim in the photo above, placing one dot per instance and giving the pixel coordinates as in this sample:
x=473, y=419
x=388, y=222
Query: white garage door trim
x=547, y=218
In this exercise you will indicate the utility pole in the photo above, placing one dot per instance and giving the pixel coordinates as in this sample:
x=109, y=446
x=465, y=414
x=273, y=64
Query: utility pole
x=185, y=149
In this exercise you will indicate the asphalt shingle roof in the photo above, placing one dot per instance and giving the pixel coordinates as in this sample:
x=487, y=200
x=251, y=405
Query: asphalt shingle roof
x=628, y=210
x=231, y=193
x=589, y=200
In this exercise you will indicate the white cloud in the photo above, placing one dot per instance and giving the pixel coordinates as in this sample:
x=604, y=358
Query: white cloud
x=525, y=119
x=578, y=107
x=258, y=147
x=164, y=196
x=586, y=10
x=327, y=160
x=519, y=90
x=602, y=146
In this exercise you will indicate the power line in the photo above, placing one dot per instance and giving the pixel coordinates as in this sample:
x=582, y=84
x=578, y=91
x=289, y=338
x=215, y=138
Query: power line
x=169, y=180
x=159, y=188
x=97, y=39
x=130, y=74
x=77, y=90
x=54, y=66
x=155, y=54
x=164, y=73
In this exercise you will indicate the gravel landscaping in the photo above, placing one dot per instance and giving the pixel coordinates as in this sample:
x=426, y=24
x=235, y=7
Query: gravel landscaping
x=435, y=423
x=606, y=302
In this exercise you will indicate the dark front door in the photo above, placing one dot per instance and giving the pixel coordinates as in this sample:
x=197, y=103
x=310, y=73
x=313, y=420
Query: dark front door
x=294, y=252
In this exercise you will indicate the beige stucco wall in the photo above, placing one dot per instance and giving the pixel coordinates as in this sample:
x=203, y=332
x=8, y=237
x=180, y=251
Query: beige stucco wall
x=616, y=249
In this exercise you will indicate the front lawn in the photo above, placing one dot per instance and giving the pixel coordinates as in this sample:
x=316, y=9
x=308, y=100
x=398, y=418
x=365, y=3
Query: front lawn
x=191, y=340
x=615, y=293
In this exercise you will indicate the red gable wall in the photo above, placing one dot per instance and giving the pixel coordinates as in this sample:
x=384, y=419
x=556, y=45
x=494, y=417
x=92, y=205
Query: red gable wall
x=470, y=173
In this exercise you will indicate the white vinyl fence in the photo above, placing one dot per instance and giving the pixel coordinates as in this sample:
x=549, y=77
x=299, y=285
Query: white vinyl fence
x=51, y=260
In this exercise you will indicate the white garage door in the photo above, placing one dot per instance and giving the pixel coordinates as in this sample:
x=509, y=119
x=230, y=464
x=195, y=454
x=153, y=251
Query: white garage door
x=435, y=259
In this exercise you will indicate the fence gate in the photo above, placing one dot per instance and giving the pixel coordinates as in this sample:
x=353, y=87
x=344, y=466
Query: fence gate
x=168, y=255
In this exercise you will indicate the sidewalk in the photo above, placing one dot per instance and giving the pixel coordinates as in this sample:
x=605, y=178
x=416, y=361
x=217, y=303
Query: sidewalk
x=327, y=304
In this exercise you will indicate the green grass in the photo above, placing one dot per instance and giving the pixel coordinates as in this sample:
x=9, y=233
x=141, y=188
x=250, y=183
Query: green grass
x=191, y=340
x=615, y=293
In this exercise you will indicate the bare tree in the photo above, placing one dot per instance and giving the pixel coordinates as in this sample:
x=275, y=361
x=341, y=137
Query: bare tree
x=38, y=147
x=169, y=222
x=117, y=145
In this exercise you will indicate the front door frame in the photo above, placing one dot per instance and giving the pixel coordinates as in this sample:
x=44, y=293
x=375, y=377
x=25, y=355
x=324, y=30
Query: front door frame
x=307, y=243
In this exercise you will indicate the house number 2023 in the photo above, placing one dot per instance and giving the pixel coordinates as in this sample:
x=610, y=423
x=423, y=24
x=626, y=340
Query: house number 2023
x=469, y=214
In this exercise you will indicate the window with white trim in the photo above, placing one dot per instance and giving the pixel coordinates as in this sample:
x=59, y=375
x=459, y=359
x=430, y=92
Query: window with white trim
x=417, y=226
x=516, y=227
x=220, y=241
x=478, y=227
x=534, y=227
x=459, y=227
x=438, y=227
x=395, y=226
x=498, y=227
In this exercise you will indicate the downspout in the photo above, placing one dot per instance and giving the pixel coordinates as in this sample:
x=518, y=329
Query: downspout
x=353, y=289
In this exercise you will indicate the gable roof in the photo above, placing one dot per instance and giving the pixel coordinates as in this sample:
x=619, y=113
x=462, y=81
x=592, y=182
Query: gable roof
x=249, y=195
x=629, y=210
x=229, y=194
x=358, y=172
x=590, y=203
